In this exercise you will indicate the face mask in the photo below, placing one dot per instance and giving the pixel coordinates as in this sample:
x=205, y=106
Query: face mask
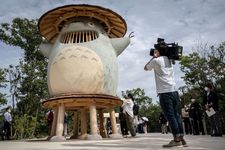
x=206, y=88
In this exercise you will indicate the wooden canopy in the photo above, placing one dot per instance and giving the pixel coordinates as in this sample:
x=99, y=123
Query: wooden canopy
x=52, y=21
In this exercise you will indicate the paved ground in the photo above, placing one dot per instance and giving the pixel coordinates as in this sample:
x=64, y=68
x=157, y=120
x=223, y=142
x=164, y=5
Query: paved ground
x=151, y=141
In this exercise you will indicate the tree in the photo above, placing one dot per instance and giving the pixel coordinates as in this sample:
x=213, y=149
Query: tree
x=14, y=79
x=139, y=97
x=31, y=73
x=3, y=100
x=208, y=65
x=195, y=69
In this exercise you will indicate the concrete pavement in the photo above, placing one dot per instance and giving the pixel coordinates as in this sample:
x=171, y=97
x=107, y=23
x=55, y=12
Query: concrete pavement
x=150, y=141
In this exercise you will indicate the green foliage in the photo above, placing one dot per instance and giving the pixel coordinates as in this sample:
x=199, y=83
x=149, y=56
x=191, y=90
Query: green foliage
x=28, y=80
x=3, y=100
x=200, y=69
x=24, y=34
x=139, y=97
x=195, y=69
x=41, y=129
x=24, y=126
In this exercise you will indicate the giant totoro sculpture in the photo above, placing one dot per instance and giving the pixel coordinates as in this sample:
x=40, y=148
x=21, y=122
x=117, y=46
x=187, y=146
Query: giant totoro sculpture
x=82, y=43
x=82, y=58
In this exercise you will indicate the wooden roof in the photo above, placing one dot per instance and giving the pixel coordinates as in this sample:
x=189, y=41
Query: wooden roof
x=52, y=21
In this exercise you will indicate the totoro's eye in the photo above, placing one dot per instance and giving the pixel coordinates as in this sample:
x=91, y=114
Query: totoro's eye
x=91, y=24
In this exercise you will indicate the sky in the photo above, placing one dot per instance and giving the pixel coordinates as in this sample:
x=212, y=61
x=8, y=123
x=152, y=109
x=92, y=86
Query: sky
x=186, y=22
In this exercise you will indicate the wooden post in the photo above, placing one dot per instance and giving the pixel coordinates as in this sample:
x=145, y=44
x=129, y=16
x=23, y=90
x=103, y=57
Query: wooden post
x=83, y=125
x=60, y=120
x=55, y=116
x=93, y=120
x=58, y=136
x=115, y=133
x=113, y=121
x=83, y=122
x=101, y=122
x=75, y=126
x=93, y=123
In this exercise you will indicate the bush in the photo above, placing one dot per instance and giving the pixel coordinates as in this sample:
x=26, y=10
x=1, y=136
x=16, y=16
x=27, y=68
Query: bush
x=24, y=126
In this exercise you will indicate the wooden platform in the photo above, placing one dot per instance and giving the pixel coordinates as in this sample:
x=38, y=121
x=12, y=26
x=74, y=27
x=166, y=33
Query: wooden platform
x=80, y=101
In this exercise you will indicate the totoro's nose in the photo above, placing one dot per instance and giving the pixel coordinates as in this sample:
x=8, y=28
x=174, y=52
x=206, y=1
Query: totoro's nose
x=77, y=24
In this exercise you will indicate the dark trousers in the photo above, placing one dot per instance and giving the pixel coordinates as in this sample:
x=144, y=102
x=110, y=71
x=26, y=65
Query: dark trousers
x=169, y=103
x=7, y=128
x=197, y=126
x=123, y=127
x=215, y=124
x=187, y=125
x=130, y=124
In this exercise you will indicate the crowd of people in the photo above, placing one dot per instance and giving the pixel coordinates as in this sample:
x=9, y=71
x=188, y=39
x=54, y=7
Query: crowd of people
x=193, y=114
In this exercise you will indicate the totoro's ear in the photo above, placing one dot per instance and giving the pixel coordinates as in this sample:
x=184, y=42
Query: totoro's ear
x=119, y=44
x=45, y=49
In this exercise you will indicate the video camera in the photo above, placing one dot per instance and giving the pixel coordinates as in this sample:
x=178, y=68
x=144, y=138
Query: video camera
x=171, y=50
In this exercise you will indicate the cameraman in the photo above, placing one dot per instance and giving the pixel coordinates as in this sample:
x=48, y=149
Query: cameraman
x=168, y=96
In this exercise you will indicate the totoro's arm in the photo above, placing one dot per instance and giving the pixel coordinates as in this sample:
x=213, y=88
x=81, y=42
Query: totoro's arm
x=45, y=48
x=119, y=44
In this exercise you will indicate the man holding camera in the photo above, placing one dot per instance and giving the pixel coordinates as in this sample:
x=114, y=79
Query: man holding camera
x=168, y=96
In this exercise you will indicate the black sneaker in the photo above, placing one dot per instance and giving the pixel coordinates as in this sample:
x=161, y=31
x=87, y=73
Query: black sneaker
x=219, y=135
x=173, y=143
x=184, y=143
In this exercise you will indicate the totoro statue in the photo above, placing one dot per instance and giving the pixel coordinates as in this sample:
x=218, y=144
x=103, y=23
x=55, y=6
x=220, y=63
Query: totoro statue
x=82, y=43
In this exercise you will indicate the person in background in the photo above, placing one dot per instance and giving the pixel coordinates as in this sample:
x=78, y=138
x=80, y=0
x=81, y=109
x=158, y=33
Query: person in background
x=196, y=115
x=123, y=124
x=211, y=100
x=168, y=95
x=7, y=122
x=145, y=126
x=186, y=119
x=135, y=111
x=128, y=111
x=50, y=116
x=108, y=127
x=140, y=125
x=163, y=122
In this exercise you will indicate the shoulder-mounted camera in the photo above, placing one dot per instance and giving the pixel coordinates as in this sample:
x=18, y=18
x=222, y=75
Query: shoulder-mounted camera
x=171, y=50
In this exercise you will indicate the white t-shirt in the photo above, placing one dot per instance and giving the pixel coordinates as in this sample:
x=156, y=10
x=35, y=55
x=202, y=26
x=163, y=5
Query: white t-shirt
x=7, y=117
x=128, y=105
x=164, y=75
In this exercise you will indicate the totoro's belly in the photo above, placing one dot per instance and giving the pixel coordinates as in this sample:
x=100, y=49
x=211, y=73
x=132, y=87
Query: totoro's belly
x=76, y=69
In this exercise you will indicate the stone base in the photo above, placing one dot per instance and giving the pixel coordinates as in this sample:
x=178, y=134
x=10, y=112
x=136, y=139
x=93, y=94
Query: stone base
x=115, y=136
x=57, y=139
x=48, y=138
x=83, y=137
x=94, y=137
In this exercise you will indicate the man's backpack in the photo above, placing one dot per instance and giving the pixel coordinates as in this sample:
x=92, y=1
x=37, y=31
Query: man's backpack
x=135, y=109
x=50, y=117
